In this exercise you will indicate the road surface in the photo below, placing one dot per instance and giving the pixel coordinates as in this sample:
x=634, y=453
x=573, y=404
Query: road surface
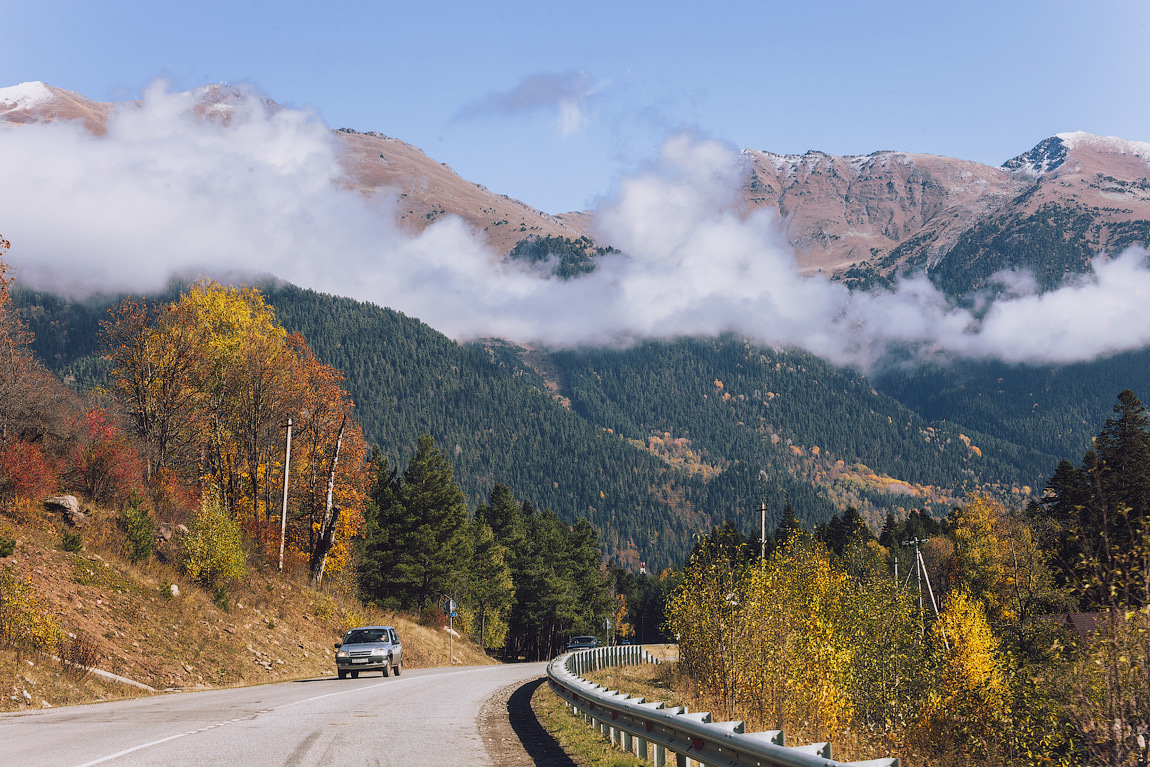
x=424, y=717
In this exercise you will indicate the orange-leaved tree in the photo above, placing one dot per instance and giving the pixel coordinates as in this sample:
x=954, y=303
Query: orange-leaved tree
x=210, y=382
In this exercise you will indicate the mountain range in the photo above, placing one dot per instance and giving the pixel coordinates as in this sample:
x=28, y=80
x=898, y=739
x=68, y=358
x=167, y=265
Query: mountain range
x=859, y=218
x=656, y=441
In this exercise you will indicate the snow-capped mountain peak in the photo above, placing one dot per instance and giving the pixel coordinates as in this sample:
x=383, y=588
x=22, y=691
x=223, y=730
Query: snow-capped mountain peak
x=1105, y=144
x=1046, y=156
x=25, y=95
x=1051, y=153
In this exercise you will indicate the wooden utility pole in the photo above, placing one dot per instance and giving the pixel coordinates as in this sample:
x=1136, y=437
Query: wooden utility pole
x=763, y=530
x=920, y=574
x=283, y=512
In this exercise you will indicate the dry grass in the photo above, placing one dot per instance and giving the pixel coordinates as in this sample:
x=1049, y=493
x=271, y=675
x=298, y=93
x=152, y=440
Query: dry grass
x=663, y=682
x=585, y=746
x=272, y=627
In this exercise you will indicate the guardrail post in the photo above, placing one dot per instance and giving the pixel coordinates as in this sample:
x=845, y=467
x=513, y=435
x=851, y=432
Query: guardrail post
x=650, y=730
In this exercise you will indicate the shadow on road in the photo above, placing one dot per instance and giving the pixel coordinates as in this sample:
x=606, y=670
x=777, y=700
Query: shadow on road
x=543, y=749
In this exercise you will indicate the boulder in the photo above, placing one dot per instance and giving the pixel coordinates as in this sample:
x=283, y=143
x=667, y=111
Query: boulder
x=167, y=540
x=69, y=507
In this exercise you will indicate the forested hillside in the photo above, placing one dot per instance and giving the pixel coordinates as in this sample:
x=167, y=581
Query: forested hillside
x=497, y=425
x=665, y=438
x=733, y=405
x=1052, y=409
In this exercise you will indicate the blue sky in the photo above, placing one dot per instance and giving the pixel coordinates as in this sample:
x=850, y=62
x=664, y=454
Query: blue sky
x=553, y=103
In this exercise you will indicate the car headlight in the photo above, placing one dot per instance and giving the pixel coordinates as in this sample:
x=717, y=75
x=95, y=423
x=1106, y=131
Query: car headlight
x=341, y=654
x=377, y=652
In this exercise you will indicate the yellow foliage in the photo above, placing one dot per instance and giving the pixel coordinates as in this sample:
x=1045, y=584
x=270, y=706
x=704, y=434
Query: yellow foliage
x=24, y=623
x=980, y=555
x=231, y=316
x=968, y=704
x=622, y=628
x=214, y=551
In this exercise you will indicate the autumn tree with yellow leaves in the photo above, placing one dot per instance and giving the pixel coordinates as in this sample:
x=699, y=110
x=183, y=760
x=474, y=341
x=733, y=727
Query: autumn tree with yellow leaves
x=826, y=644
x=209, y=383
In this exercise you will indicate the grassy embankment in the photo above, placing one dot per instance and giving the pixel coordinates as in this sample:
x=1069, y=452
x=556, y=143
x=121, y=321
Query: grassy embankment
x=273, y=626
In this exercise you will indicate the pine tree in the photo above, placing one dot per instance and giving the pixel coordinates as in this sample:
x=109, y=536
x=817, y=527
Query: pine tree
x=491, y=590
x=503, y=515
x=416, y=542
x=789, y=529
x=1100, y=512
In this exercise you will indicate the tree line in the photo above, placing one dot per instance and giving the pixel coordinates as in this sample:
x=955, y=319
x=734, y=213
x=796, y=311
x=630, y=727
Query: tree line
x=1030, y=646
x=190, y=420
x=523, y=580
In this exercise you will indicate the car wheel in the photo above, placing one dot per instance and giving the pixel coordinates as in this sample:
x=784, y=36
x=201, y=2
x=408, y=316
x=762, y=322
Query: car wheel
x=398, y=668
x=355, y=675
x=387, y=668
x=342, y=674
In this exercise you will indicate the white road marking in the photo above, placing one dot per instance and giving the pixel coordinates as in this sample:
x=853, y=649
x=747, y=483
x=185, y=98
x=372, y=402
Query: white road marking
x=142, y=746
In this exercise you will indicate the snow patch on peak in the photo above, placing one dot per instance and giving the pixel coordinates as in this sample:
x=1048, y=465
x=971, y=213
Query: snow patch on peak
x=1046, y=156
x=25, y=95
x=1111, y=144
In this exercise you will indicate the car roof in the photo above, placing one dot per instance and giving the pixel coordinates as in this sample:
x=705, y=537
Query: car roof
x=367, y=628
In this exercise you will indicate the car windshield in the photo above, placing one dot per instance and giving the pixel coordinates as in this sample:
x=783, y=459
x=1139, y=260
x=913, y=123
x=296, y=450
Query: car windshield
x=362, y=636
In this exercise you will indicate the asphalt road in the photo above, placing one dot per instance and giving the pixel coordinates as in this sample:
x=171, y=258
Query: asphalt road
x=424, y=717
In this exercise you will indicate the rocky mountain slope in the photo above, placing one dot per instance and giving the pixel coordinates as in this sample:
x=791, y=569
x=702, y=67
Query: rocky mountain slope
x=1051, y=209
x=860, y=218
x=423, y=189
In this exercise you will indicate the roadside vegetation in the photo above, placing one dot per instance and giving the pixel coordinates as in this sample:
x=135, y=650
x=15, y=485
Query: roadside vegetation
x=143, y=529
x=159, y=559
x=1038, y=651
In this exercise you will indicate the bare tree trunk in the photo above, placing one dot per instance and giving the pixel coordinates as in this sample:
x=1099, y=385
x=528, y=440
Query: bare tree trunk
x=330, y=517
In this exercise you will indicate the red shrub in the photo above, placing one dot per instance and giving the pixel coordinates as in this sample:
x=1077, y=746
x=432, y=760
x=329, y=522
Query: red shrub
x=109, y=466
x=25, y=472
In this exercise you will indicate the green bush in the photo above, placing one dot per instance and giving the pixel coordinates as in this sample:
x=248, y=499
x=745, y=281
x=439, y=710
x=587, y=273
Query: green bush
x=214, y=549
x=140, y=529
x=71, y=542
x=7, y=546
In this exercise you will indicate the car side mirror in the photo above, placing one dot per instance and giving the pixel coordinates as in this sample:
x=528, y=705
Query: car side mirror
x=338, y=645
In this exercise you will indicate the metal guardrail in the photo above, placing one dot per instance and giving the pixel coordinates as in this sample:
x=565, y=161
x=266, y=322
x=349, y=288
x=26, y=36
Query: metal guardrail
x=653, y=732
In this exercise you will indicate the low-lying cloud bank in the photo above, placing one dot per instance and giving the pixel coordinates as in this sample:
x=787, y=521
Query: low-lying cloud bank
x=166, y=192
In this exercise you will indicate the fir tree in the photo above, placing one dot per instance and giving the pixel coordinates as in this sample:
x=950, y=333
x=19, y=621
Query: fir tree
x=417, y=545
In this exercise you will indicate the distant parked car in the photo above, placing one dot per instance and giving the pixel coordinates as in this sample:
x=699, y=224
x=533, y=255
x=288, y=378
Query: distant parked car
x=369, y=648
x=582, y=643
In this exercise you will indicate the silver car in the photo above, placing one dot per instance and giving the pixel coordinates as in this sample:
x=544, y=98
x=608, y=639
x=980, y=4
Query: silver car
x=369, y=648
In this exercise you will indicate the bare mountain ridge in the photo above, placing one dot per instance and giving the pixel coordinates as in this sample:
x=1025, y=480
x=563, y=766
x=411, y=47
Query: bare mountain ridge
x=1050, y=209
x=898, y=211
x=423, y=189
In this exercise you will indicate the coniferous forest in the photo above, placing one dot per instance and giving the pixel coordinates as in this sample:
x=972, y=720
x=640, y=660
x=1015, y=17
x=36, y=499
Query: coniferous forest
x=951, y=589
x=653, y=443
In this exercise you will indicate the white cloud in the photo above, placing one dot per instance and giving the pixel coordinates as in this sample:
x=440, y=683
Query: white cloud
x=568, y=94
x=165, y=192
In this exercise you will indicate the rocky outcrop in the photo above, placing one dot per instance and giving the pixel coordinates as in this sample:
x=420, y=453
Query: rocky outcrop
x=1051, y=209
x=68, y=507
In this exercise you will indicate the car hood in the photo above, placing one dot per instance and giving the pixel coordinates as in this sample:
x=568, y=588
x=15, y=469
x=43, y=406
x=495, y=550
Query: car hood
x=366, y=646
